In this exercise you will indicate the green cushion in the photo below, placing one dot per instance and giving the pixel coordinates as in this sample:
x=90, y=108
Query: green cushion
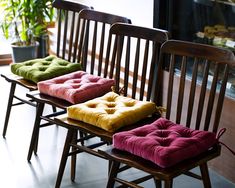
x=43, y=69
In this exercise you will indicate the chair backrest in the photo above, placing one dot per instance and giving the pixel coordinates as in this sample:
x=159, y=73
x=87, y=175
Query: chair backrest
x=95, y=40
x=67, y=23
x=191, y=83
x=137, y=50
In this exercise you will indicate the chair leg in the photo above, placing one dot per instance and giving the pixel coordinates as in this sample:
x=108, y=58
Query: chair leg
x=35, y=134
x=35, y=150
x=53, y=108
x=113, y=174
x=168, y=183
x=205, y=175
x=69, y=138
x=81, y=134
x=158, y=183
x=73, y=158
x=8, y=111
x=109, y=166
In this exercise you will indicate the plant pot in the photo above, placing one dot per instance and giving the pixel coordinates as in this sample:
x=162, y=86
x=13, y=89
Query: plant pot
x=43, y=49
x=24, y=53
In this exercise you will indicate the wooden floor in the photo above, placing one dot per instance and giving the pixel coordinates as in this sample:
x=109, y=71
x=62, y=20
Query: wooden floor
x=16, y=172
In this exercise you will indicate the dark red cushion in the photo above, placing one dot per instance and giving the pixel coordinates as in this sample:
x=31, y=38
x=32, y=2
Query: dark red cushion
x=164, y=142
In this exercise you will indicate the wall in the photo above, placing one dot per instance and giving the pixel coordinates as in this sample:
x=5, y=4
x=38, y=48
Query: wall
x=139, y=11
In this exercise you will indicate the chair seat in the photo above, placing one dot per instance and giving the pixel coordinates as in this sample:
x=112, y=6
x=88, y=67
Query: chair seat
x=45, y=68
x=164, y=142
x=76, y=87
x=111, y=111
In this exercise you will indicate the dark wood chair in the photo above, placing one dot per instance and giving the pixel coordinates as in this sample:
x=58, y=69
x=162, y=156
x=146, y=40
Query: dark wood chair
x=136, y=58
x=94, y=44
x=192, y=97
x=67, y=13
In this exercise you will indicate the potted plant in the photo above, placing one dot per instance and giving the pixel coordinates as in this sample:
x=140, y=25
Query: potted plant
x=24, y=21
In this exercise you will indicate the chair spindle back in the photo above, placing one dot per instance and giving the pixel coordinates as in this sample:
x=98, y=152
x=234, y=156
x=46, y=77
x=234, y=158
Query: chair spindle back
x=96, y=41
x=136, y=59
x=67, y=28
x=197, y=77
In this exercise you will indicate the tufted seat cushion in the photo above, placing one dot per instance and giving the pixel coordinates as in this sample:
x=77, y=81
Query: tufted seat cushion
x=76, y=87
x=44, y=68
x=111, y=111
x=164, y=142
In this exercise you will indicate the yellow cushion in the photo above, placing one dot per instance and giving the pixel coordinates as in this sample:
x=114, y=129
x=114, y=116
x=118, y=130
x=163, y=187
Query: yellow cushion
x=111, y=111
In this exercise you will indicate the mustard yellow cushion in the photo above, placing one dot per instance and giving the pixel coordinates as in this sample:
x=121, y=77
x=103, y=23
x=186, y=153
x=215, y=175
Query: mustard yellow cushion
x=111, y=111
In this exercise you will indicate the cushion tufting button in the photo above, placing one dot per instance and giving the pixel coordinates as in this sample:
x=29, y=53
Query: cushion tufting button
x=185, y=133
x=163, y=133
x=42, y=68
x=77, y=80
x=110, y=110
x=110, y=98
x=76, y=86
x=111, y=104
x=71, y=81
x=62, y=63
x=94, y=79
x=164, y=142
x=130, y=103
x=162, y=126
x=141, y=134
x=92, y=105
x=45, y=63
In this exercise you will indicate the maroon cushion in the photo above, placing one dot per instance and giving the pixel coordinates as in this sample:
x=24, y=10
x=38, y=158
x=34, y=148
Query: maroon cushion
x=76, y=87
x=164, y=142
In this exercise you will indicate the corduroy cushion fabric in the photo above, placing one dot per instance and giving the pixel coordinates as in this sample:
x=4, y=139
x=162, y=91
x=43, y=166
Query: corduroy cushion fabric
x=44, y=68
x=164, y=142
x=111, y=111
x=76, y=87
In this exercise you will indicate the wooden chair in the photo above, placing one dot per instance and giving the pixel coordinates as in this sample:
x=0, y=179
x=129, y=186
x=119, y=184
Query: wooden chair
x=67, y=11
x=191, y=84
x=134, y=62
x=93, y=44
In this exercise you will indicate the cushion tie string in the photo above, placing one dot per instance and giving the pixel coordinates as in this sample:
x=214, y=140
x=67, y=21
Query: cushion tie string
x=219, y=134
x=160, y=110
x=120, y=91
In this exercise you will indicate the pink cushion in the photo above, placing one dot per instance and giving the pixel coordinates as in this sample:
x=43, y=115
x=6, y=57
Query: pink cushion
x=164, y=142
x=76, y=87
